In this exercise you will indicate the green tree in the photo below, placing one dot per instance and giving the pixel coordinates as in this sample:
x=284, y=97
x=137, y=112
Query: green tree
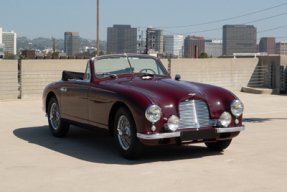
x=203, y=55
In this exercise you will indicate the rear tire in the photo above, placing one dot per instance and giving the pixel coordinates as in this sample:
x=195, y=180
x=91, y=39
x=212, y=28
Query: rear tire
x=125, y=134
x=58, y=127
x=219, y=145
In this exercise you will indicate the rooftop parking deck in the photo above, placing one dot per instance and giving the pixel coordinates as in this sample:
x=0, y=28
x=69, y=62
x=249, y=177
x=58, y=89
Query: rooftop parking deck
x=31, y=159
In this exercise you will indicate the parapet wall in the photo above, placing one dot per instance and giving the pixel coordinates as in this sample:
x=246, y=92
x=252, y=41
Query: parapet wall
x=37, y=74
x=8, y=79
x=231, y=74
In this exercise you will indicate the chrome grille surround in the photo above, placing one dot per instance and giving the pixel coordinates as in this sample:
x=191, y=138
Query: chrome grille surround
x=195, y=114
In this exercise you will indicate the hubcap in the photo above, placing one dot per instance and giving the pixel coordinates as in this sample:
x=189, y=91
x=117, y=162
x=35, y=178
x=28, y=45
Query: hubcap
x=55, y=116
x=124, y=132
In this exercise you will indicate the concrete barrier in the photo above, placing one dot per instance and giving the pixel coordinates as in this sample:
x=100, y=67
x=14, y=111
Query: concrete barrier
x=232, y=74
x=37, y=74
x=165, y=63
x=8, y=79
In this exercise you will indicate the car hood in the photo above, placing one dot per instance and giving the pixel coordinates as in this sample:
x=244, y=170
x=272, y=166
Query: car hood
x=168, y=93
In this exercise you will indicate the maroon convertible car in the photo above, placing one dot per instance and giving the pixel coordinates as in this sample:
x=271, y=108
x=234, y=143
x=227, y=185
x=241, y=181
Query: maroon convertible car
x=135, y=99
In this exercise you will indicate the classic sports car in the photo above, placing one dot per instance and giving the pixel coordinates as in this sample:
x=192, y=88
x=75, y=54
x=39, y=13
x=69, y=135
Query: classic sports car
x=135, y=99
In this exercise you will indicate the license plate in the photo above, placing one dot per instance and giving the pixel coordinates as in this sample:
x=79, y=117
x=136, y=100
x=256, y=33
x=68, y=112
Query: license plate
x=198, y=135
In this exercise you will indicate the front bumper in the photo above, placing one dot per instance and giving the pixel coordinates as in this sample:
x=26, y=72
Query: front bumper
x=177, y=134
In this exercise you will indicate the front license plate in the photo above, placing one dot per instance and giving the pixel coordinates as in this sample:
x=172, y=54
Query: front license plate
x=196, y=135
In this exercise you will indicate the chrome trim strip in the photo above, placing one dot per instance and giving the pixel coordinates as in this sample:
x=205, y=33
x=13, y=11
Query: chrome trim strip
x=158, y=135
x=177, y=134
x=230, y=129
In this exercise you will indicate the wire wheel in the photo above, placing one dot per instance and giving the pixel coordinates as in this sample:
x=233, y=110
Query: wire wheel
x=55, y=116
x=124, y=132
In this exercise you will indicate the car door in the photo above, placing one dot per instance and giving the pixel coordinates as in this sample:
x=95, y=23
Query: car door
x=74, y=98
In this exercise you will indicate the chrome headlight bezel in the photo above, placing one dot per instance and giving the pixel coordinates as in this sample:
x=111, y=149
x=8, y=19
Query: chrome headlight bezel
x=234, y=104
x=148, y=113
x=225, y=119
x=173, y=123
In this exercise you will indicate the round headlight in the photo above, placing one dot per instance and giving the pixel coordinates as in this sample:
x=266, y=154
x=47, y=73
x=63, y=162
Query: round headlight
x=173, y=123
x=236, y=108
x=153, y=113
x=225, y=119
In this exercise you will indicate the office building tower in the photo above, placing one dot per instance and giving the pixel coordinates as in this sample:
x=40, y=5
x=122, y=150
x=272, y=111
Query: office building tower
x=281, y=48
x=190, y=42
x=239, y=39
x=213, y=48
x=2, y=54
x=173, y=44
x=9, y=40
x=121, y=39
x=0, y=35
x=71, y=43
x=155, y=37
x=267, y=44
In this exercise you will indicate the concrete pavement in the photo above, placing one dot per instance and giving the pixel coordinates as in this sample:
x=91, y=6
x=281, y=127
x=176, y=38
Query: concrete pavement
x=31, y=159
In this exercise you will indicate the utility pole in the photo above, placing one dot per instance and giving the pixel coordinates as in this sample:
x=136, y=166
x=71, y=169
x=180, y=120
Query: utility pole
x=98, y=22
x=54, y=47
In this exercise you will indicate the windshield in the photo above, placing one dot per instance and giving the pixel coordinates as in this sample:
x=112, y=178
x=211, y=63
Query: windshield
x=127, y=65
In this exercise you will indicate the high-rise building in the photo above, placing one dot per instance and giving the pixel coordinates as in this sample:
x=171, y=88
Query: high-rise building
x=267, y=44
x=155, y=42
x=0, y=35
x=281, y=48
x=239, y=39
x=9, y=40
x=173, y=44
x=213, y=48
x=122, y=39
x=2, y=54
x=190, y=42
x=71, y=43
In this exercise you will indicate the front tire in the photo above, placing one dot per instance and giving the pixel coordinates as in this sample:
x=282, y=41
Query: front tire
x=125, y=134
x=219, y=145
x=57, y=127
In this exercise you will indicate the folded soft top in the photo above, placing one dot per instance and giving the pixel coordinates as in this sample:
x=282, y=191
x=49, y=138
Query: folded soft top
x=66, y=75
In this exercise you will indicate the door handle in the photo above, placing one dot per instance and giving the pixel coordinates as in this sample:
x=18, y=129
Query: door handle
x=63, y=89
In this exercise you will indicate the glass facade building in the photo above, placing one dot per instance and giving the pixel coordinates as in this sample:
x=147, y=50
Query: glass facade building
x=239, y=39
x=267, y=44
x=71, y=43
x=121, y=39
x=213, y=48
x=9, y=40
x=173, y=44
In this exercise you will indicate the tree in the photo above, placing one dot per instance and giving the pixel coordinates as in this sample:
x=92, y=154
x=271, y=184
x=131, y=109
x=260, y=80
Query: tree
x=203, y=55
x=101, y=52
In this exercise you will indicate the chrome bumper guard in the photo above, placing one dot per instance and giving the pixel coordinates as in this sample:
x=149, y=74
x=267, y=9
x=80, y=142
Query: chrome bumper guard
x=177, y=134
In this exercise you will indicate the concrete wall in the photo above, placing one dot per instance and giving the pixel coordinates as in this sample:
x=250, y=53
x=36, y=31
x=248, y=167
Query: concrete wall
x=37, y=74
x=232, y=74
x=8, y=79
x=165, y=63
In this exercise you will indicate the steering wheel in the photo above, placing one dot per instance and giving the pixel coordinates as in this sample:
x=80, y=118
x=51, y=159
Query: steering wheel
x=147, y=69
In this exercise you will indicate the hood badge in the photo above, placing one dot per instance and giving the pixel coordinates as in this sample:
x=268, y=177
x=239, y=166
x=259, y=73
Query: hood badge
x=192, y=94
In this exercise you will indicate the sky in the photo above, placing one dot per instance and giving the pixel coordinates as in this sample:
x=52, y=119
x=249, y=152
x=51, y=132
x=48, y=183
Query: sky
x=37, y=18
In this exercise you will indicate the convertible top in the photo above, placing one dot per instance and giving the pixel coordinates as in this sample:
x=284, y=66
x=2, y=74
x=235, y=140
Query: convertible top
x=66, y=75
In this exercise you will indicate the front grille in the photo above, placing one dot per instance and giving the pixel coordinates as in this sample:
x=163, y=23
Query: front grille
x=195, y=114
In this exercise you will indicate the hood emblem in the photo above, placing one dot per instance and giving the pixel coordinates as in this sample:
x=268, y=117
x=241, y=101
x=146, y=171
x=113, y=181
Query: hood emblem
x=192, y=94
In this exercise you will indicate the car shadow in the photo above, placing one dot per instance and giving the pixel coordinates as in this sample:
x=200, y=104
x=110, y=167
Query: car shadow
x=260, y=120
x=99, y=147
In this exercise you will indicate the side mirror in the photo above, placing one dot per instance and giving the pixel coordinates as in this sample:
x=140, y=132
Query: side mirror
x=177, y=77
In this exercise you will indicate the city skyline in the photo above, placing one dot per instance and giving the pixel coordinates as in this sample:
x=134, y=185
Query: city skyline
x=113, y=12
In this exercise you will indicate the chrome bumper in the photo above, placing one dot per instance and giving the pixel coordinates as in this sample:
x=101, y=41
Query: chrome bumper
x=177, y=134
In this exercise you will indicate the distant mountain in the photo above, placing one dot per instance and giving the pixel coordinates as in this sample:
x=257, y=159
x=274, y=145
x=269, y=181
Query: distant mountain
x=46, y=43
